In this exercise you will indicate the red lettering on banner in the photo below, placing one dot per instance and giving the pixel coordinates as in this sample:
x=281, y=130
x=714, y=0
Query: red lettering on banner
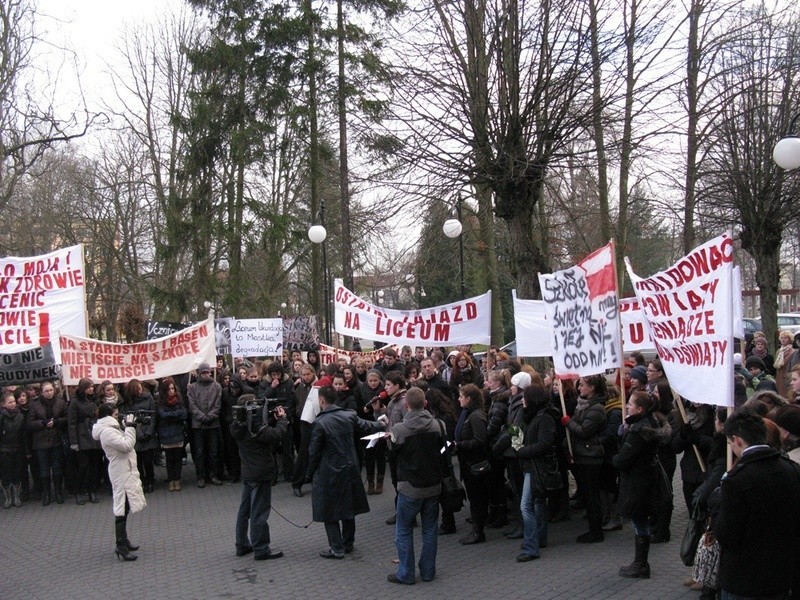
x=36, y=267
x=636, y=333
x=15, y=336
x=351, y=320
x=441, y=332
x=66, y=343
x=44, y=328
x=79, y=371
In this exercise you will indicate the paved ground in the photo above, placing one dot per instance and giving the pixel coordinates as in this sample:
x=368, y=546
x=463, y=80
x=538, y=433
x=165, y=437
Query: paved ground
x=188, y=553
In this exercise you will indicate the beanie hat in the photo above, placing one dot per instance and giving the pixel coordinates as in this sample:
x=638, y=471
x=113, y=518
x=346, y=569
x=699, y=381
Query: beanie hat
x=375, y=372
x=204, y=366
x=754, y=361
x=522, y=380
x=639, y=374
x=737, y=360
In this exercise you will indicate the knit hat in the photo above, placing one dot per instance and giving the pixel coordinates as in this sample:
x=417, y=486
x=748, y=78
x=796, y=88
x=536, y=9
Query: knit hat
x=754, y=361
x=787, y=417
x=737, y=360
x=639, y=374
x=522, y=380
x=204, y=366
x=375, y=372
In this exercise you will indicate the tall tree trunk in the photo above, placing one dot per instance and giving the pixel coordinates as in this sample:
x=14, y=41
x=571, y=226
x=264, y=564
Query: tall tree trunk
x=692, y=74
x=767, y=258
x=597, y=122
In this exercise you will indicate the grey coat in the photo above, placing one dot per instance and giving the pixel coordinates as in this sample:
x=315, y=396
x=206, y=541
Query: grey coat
x=205, y=402
x=338, y=492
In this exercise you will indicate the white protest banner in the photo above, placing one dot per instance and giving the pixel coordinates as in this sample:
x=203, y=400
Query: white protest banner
x=689, y=311
x=256, y=337
x=466, y=322
x=119, y=363
x=41, y=296
x=583, y=315
x=329, y=354
x=533, y=334
x=530, y=327
x=635, y=335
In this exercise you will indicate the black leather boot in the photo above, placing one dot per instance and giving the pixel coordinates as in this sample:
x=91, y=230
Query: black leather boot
x=122, y=551
x=45, y=491
x=639, y=568
x=58, y=489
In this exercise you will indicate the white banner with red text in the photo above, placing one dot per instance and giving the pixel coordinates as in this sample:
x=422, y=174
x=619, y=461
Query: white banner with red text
x=533, y=334
x=329, y=354
x=41, y=296
x=582, y=307
x=688, y=310
x=466, y=322
x=178, y=353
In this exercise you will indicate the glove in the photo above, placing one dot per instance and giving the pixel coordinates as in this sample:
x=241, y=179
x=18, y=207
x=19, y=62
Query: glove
x=74, y=447
x=565, y=419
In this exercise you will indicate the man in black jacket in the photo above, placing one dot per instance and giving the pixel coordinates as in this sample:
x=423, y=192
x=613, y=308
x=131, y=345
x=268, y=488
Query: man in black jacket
x=431, y=376
x=418, y=443
x=758, y=526
x=259, y=468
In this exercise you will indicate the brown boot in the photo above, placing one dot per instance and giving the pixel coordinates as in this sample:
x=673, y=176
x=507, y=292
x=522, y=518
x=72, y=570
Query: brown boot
x=379, y=488
x=370, y=488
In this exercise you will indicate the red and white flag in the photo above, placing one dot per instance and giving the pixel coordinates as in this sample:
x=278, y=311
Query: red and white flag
x=583, y=315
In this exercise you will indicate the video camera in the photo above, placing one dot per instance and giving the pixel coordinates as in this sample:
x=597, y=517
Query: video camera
x=139, y=417
x=255, y=413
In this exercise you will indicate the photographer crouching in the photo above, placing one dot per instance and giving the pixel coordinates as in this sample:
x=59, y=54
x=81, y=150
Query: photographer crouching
x=258, y=429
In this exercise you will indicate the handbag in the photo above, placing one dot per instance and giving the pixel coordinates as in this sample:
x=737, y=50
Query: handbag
x=453, y=494
x=551, y=475
x=480, y=469
x=706, y=564
x=695, y=528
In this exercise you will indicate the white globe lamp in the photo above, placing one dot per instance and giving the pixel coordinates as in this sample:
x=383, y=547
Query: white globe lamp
x=452, y=228
x=317, y=234
x=786, y=153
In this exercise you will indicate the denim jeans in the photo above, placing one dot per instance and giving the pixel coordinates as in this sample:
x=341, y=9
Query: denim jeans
x=49, y=458
x=407, y=510
x=534, y=519
x=254, y=510
x=340, y=538
x=641, y=528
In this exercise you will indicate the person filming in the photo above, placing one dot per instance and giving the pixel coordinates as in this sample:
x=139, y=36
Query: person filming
x=119, y=443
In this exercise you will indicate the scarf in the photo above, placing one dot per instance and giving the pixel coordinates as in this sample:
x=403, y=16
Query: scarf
x=462, y=418
x=172, y=400
x=613, y=404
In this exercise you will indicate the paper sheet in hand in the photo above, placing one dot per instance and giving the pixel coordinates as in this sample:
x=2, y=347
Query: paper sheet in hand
x=373, y=438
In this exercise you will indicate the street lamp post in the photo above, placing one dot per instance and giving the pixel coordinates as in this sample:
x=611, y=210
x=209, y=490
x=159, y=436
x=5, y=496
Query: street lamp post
x=787, y=151
x=317, y=235
x=453, y=228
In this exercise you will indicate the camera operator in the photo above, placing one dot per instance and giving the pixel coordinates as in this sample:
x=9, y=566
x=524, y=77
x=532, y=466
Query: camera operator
x=120, y=447
x=280, y=386
x=257, y=438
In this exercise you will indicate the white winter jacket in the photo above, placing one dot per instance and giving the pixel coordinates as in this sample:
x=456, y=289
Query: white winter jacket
x=119, y=447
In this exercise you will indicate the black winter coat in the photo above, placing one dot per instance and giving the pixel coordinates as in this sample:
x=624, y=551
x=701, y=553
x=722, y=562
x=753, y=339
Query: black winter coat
x=683, y=438
x=13, y=434
x=585, y=427
x=758, y=526
x=498, y=414
x=41, y=411
x=537, y=442
x=81, y=417
x=256, y=451
x=471, y=440
x=636, y=464
x=338, y=492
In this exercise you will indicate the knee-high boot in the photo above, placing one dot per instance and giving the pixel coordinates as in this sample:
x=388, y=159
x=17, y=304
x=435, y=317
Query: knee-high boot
x=58, y=488
x=45, y=491
x=122, y=551
x=639, y=568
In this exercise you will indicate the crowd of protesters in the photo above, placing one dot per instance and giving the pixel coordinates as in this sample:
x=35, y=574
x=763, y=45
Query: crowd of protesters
x=516, y=434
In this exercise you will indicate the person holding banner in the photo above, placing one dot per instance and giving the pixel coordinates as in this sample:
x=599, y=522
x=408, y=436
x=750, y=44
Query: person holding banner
x=586, y=426
x=47, y=420
x=82, y=415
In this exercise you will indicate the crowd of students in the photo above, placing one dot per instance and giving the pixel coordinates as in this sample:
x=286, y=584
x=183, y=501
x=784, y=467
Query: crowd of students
x=509, y=426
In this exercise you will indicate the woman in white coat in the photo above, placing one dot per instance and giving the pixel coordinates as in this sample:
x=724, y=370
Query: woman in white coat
x=120, y=447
